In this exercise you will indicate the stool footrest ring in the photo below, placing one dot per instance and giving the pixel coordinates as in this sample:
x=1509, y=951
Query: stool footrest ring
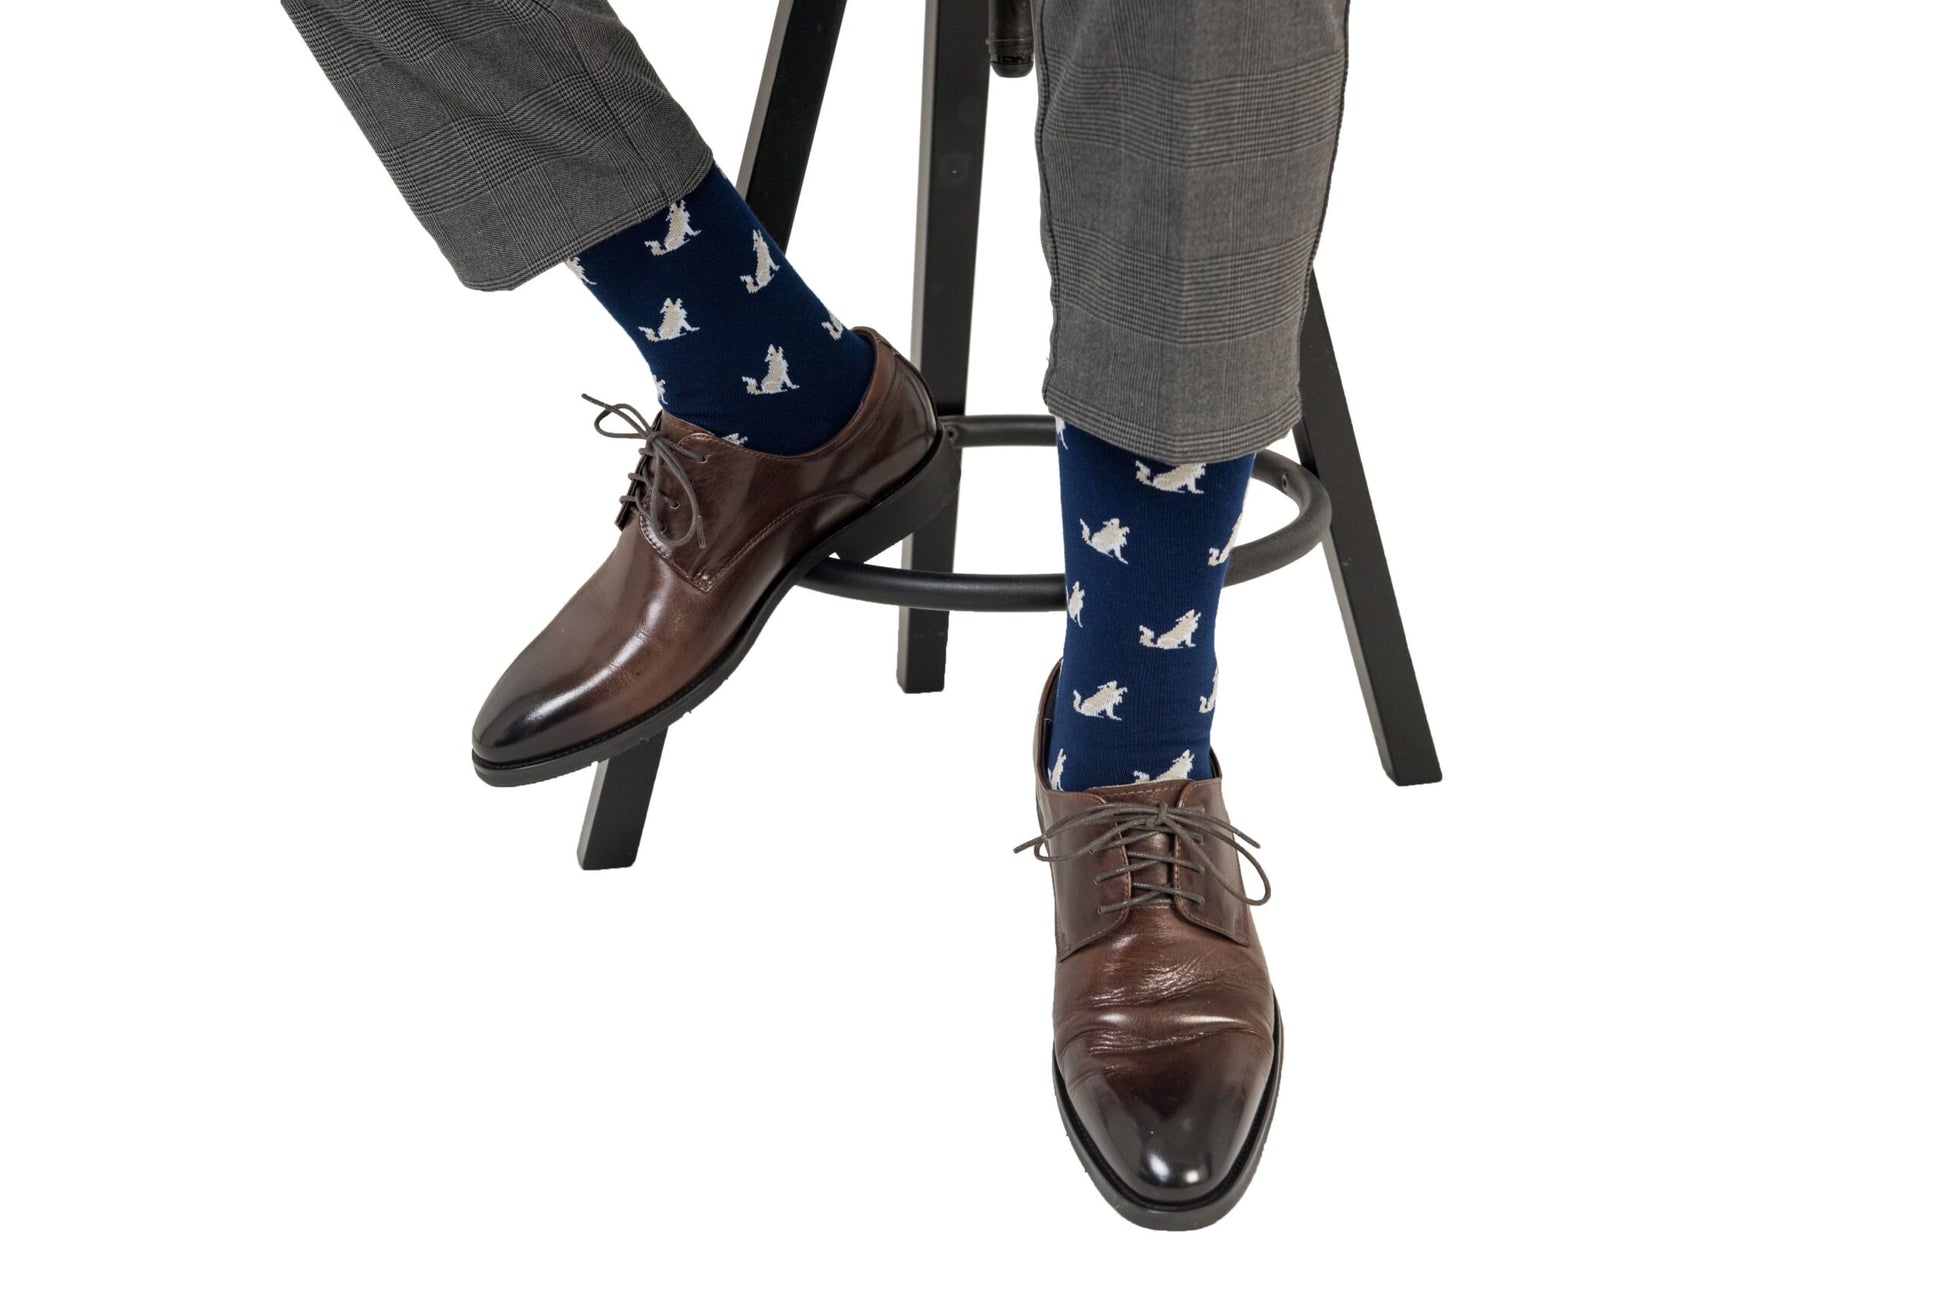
x=1047, y=592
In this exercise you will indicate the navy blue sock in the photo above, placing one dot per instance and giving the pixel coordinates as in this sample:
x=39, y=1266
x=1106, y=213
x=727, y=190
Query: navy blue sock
x=738, y=342
x=1147, y=545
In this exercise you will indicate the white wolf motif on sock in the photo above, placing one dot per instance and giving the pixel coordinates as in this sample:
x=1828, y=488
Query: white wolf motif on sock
x=1177, y=770
x=675, y=323
x=680, y=231
x=835, y=328
x=1183, y=633
x=1054, y=772
x=574, y=264
x=1108, y=539
x=1180, y=479
x=1102, y=703
x=766, y=264
x=777, y=377
x=1207, y=702
x=1217, y=558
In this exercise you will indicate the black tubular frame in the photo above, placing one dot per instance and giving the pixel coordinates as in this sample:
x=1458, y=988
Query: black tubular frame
x=1046, y=592
x=1328, y=484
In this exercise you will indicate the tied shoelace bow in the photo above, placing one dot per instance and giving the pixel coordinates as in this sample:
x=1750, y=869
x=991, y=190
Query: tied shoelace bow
x=1124, y=825
x=661, y=462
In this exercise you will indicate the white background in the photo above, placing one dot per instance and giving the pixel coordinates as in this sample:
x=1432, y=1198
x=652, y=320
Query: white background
x=1638, y=309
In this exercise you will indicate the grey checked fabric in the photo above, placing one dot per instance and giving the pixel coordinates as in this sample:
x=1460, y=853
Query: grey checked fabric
x=1186, y=150
x=519, y=131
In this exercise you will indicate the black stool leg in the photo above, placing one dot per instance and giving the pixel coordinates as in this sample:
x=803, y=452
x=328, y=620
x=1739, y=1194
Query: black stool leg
x=785, y=120
x=611, y=832
x=1327, y=448
x=952, y=148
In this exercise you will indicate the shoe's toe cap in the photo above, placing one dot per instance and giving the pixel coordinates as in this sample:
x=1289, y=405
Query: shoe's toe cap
x=523, y=719
x=563, y=692
x=1172, y=1125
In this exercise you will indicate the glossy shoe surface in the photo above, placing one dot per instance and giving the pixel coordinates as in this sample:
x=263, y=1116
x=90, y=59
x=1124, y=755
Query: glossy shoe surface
x=1167, y=1041
x=713, y=535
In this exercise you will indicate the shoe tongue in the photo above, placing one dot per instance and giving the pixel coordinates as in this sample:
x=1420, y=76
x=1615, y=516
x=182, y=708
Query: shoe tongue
x=1153, y=793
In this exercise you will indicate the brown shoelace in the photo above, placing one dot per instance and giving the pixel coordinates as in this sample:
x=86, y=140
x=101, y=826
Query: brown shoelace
x=661, y=460
x=1126, y=824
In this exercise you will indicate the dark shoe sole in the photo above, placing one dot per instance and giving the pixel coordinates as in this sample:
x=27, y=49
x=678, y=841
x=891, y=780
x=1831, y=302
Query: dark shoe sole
x=1192, y=1214
x=899, y=513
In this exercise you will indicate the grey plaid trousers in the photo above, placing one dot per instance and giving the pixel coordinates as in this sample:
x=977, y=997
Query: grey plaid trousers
x=1185, y=148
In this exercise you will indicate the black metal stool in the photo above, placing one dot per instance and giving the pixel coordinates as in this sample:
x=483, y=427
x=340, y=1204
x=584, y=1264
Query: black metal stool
x=966, y=40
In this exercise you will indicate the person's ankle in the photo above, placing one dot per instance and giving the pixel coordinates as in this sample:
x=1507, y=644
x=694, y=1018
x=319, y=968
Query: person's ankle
x=738, y=342
x=1147, y=545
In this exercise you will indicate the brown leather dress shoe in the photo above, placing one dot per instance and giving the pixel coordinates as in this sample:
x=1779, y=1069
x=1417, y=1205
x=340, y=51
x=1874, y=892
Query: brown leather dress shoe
x=712, y=536
x=1167, y=1042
